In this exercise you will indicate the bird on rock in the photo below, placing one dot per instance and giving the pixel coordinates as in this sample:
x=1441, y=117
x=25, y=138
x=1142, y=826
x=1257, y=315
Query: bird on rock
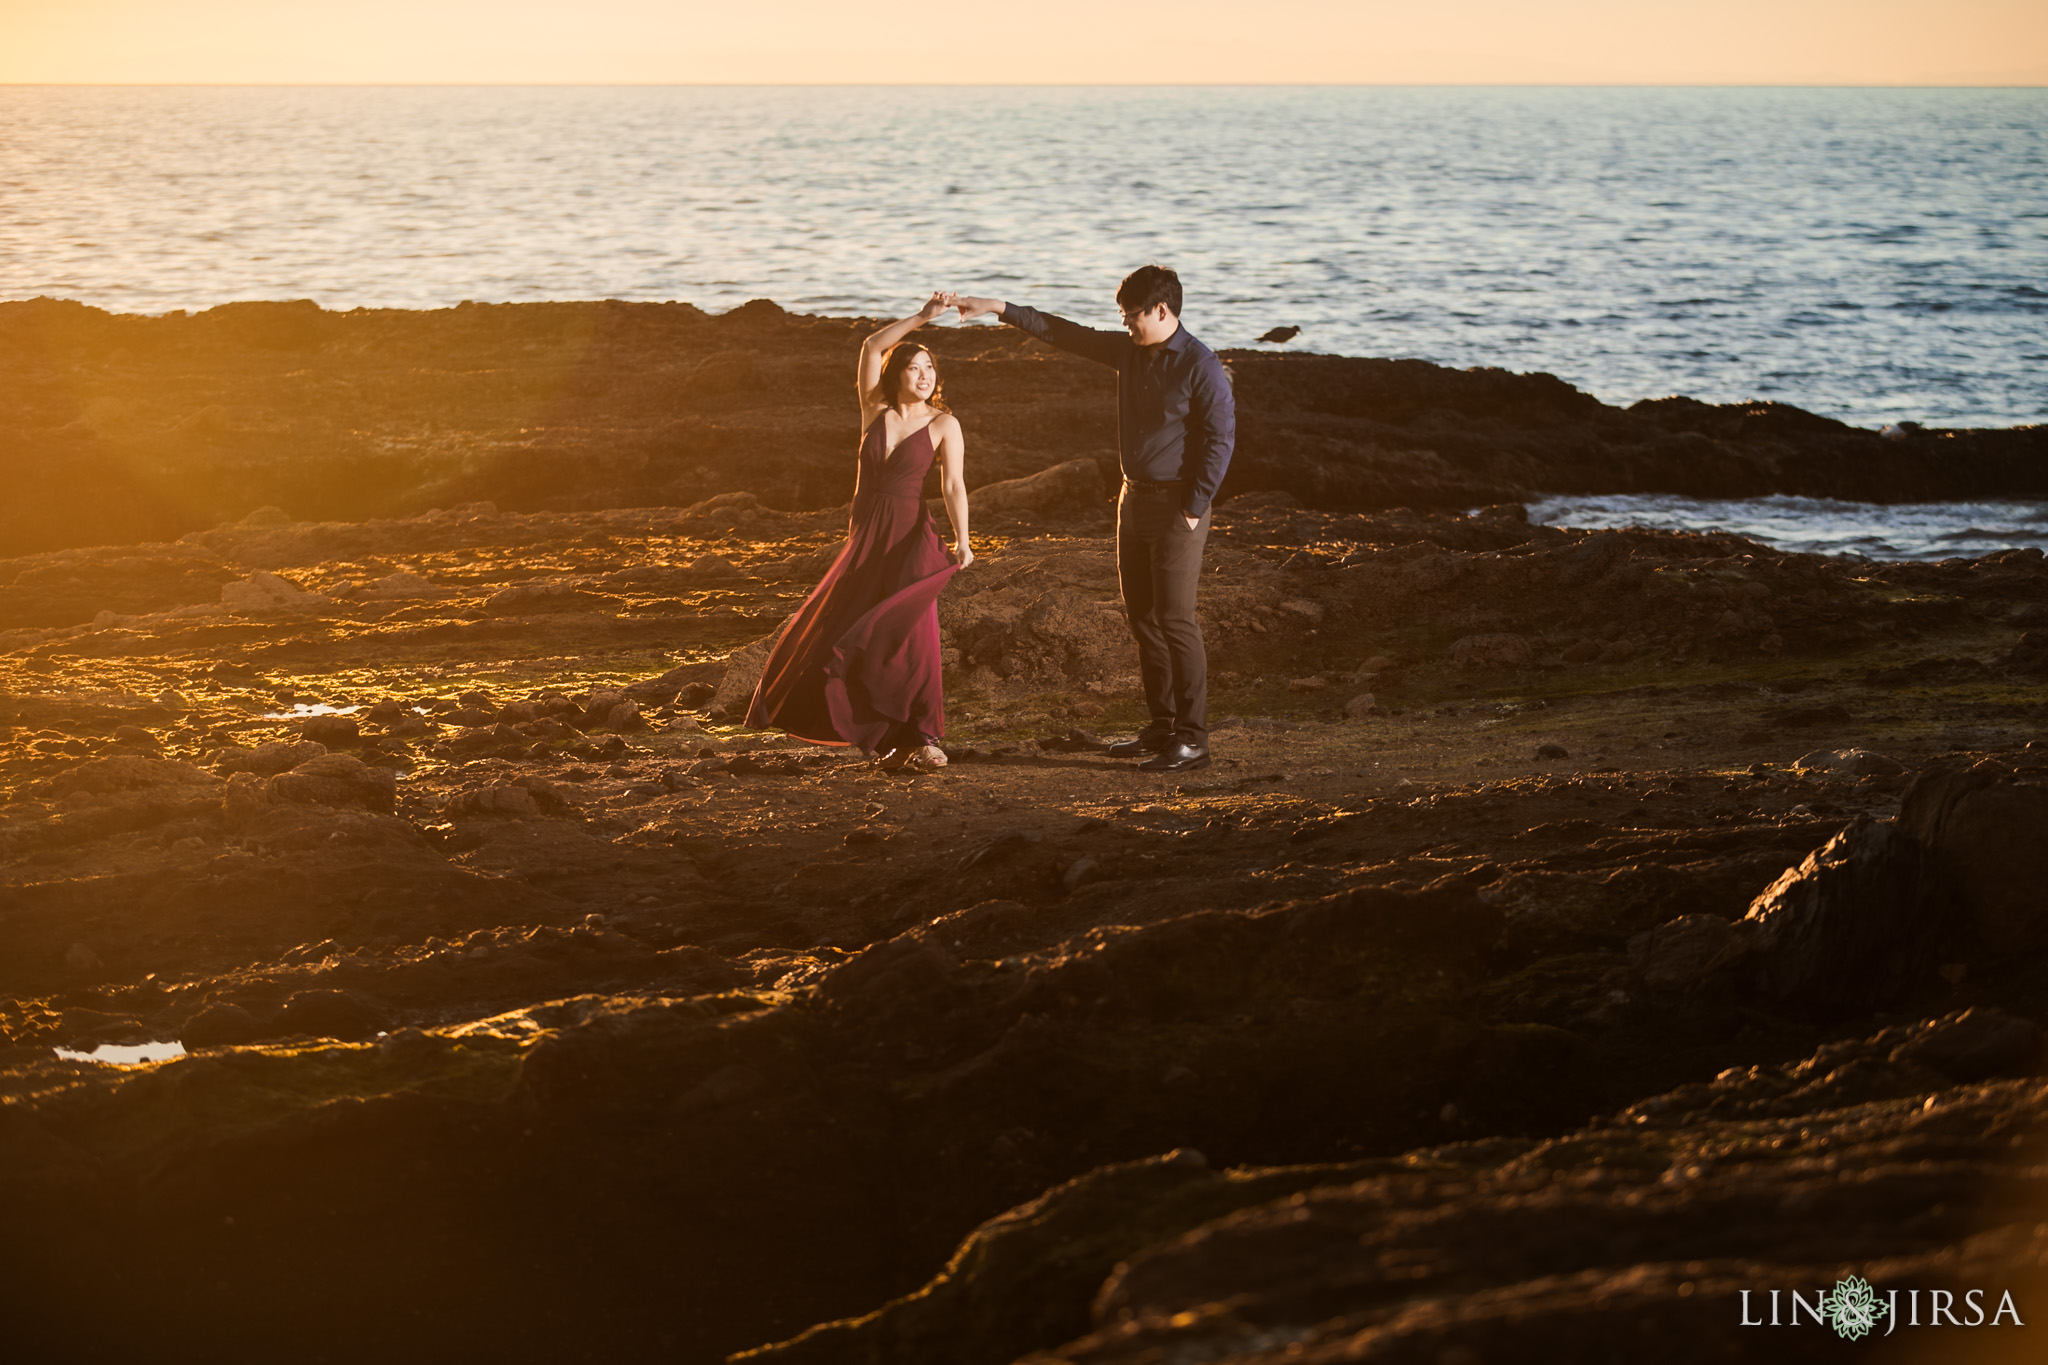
x=1282, y=334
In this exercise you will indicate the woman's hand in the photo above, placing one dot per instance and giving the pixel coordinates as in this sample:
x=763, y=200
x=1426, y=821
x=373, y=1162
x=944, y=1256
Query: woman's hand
x=937, y=304
x=964, y=554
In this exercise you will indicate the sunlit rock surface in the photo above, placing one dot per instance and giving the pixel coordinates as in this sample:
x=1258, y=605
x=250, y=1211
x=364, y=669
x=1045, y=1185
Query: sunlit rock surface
x=1515, y=984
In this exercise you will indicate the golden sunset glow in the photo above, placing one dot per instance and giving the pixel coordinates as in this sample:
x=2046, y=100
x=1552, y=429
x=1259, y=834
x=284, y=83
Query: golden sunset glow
x=1820, y=42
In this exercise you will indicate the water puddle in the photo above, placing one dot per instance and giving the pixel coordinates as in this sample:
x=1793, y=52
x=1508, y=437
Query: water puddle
x=124, y=1054
x=311, y=708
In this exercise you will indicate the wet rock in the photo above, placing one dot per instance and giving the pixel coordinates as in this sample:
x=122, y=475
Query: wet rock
x=713, y=568
x=1028, y=1277
x=245, y=796
x=597, y=710
x=683, y=684
x=1849, y=763
x=222, y=1025
x=1691, y=952
x=2030, y=655
x=1080, y=872
x=523, y=797
x=905, y=966
x=323, y=1013
x=1595, y=556
x=1072, y=489
x=136, y=737
x=1063, y=637
x=1852, y=927
x=1975, y=1045
x=623, y=714
x=1004, y=845
x=988, y=929
x=333, y=732
x=264, y=592
x=742, y=675
x=267, y=760
x=726, y=1086
x=124, y=773
x=1552, y=751
x=338, y=780
x=1486, y=652
x=1986, y=833
x=540, y=599
x=403, y=585
x=1361, y=706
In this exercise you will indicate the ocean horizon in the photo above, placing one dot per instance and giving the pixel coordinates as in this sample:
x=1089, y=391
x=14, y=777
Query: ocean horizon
x=1875, y=254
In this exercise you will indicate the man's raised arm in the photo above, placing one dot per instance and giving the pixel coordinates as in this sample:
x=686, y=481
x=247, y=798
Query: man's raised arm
x=1107, y=348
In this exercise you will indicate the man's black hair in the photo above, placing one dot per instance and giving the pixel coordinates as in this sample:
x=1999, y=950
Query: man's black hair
x=1147, y=287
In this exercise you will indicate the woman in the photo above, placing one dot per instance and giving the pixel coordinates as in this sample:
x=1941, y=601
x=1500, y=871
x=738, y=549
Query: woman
x=859, y=662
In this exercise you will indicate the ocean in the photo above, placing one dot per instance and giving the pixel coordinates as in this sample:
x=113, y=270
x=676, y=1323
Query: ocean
x=1876, y=255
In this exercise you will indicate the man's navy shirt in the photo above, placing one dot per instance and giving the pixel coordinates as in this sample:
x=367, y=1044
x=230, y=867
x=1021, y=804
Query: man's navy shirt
x=1176, y=416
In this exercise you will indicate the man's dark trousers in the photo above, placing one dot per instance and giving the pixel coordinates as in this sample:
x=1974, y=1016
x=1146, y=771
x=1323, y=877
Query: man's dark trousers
x=1158, y=564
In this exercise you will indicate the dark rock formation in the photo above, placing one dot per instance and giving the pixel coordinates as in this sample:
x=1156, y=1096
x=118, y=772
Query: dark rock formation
x=1851, y=928
x=1577, y=1248
x=587, y=405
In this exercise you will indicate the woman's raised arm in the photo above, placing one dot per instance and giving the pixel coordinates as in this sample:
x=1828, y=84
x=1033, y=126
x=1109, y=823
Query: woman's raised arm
x=869, y=373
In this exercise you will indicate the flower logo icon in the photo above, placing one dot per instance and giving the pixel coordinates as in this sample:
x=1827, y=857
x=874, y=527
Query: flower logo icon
x=1852, y=1307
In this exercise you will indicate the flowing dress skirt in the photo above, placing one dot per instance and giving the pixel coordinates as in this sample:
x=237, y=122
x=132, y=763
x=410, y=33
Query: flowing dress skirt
x=859, y=662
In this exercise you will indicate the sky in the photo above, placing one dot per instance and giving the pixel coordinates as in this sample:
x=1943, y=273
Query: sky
x=961, y=42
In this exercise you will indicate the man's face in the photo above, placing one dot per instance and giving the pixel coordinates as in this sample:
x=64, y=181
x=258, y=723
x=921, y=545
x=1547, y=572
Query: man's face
x=1152, y=326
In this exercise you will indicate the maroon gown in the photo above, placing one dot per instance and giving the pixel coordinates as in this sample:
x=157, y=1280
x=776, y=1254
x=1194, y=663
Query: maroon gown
x=859, y=662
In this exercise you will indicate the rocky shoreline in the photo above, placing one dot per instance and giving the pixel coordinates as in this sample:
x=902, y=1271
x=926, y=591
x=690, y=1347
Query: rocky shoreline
x=1576, y=931
x=120, y=428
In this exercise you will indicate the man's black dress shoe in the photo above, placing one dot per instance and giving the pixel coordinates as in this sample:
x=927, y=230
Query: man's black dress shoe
x=1142, y=747
x=1176, y=757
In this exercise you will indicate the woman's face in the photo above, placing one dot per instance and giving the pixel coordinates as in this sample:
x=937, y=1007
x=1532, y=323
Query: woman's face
x=920, y=378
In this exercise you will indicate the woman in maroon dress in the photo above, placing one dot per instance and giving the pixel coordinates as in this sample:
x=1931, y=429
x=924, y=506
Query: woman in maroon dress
x=859, y=662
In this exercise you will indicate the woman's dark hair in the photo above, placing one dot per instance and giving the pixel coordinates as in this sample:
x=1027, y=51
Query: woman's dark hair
x=889, y=386
x=1147, y=287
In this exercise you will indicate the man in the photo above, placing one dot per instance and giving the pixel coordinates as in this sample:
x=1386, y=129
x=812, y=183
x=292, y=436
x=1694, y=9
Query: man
x=1176, y=427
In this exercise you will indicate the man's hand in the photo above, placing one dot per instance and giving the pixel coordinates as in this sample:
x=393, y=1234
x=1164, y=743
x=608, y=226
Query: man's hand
x=972, y=308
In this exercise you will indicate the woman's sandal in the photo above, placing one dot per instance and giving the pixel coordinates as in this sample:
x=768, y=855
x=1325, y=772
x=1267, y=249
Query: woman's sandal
x=929, y=757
